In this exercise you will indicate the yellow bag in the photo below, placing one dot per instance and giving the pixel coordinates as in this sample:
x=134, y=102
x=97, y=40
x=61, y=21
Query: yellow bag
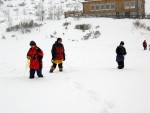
x=28, y=63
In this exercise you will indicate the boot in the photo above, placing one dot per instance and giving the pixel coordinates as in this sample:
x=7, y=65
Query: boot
x=51, y=71
x=61, y=70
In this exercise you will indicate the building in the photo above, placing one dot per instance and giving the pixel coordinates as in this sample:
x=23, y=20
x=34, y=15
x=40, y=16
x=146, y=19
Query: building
x=116, y=8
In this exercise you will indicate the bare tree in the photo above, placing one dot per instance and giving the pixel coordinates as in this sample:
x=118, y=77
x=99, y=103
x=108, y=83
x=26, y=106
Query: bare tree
x=54, y=11
x=17, y=11
x=77, y=6
x=40, y=11
x=7, y=15
x=51, y=11
x=24, y=11
x=59, y=12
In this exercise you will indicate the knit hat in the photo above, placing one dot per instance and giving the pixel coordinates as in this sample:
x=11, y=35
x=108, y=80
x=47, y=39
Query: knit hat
x=59, y=39
x=32, y=43
x=121, y=43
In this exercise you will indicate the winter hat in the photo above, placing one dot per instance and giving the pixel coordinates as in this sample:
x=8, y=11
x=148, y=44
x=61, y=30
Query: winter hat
x=121, y=43
x=59, y=39
x=32, y=43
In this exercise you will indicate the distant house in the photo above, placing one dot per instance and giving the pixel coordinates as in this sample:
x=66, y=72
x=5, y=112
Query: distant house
x=117, y=8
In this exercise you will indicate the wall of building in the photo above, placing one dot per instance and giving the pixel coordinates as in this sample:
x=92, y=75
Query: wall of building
x=119, y=7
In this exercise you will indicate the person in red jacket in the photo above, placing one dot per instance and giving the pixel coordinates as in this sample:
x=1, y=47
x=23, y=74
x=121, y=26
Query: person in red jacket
x=145, y=45
x=58, y=55
x=35, y=54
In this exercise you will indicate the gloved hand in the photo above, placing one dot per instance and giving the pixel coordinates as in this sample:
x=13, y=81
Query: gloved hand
x=34, y=56
x=28, y=57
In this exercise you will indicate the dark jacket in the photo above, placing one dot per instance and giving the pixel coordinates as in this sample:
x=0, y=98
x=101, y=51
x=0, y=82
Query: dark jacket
x=144, y=44
x=120, y=51
x=35, y=54
x=58, y=51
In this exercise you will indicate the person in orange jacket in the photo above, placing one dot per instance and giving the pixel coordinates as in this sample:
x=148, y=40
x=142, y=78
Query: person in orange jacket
x=58, y=55
x=35, y=55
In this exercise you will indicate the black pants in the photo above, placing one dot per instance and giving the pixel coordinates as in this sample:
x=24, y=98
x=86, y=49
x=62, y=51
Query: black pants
x=145, y=48
x=32, y=72
x=120, y=64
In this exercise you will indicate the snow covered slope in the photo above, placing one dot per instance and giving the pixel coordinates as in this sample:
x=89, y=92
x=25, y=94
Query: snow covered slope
x=90, y=82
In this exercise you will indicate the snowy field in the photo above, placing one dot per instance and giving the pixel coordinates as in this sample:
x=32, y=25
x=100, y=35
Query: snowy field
x=90, y=82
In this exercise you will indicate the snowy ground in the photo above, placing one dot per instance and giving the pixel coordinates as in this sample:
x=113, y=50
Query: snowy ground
x=90, y=83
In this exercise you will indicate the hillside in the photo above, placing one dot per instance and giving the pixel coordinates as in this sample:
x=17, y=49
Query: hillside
x=90, y=81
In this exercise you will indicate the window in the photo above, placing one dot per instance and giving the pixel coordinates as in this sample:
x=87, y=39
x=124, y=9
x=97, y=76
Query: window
x=129, y=5
x=102, y=6
x=107, y=6
x=92, y=7
x=132, y=5
x=97, y=7
x=112, y=6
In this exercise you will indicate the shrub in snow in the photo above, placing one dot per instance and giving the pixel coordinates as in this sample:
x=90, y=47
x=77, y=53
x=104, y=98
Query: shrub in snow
x=13, y=36
x=22, y=4
x=148, y=28
x=97, y=27
x=66, y=23
x=52, y=36
x=87, y=36
x=38, y=24
x=96, y=34
x=16, y=9
x=13, y=28
x=140, y=25
x=55, y=33
x=74, y=13
x=9, y=5
x=27, y=24
x=24, y=26
x=1, y=21
x=3, y=37
x=83, y=26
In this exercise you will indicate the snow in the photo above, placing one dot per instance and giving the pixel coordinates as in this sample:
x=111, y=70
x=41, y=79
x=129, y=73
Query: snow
x=90, y=82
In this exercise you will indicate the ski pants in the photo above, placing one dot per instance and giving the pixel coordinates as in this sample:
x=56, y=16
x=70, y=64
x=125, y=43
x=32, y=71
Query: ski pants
x=39, y=73
x=120, y=64
x=55, y=62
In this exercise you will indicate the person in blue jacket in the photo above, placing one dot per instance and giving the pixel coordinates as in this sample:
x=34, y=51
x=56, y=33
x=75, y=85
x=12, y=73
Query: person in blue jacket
x=121, y=52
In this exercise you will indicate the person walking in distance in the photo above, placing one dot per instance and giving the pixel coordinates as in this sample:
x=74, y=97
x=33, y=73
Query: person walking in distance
x=35, y=55
x=120, y=51
x=58, y=55
x=145, y=45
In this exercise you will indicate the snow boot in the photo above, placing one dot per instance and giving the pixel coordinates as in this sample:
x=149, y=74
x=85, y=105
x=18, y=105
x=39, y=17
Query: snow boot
x=51, y=71
x=61, y=70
